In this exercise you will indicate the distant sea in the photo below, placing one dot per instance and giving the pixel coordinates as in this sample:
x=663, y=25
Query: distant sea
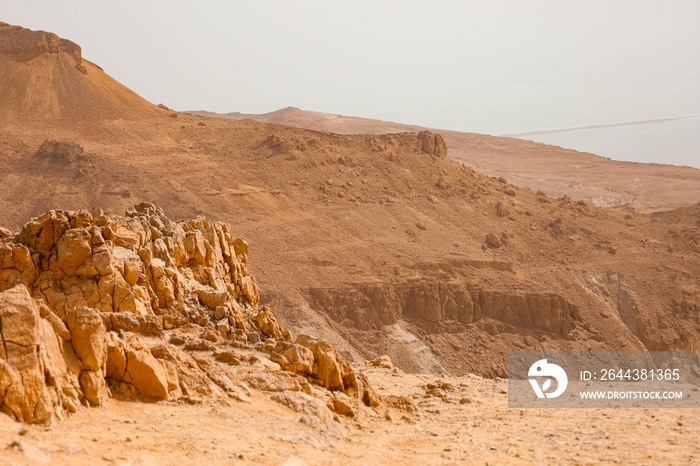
x=636, y=120
x=673, y=141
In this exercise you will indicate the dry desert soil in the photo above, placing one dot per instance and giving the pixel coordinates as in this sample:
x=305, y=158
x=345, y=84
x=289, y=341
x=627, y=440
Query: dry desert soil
x=442, y=250
x=440, y=431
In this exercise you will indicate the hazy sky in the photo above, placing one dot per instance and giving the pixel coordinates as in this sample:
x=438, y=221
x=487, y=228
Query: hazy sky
x=485, y=66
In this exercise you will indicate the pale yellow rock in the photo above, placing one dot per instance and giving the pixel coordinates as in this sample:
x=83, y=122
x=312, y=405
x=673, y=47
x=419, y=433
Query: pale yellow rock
x=143, y=371
x=74, y=249
x=127, y=238
x=121, y=290
x=267, y=323
x=171, y=371
x=22, y=258
x=301, y=359
x=128, y=263
x=139, y=273
x=116, y=359
x=6, y=260
x=88, y=335
x=22, y=381
x=342, y=404
x=240, y=246
x=331, y=369
x=94, y=387
x=250, y=290
x=59, y=327
x=200, y=249
x=212, y=298
x=383, y=361
x=41, y=233
x=61, y=368
x=88, y=269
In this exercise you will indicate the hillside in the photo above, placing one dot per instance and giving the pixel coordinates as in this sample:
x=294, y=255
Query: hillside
x=377, y=243
x=553, y=170
x=45, y=77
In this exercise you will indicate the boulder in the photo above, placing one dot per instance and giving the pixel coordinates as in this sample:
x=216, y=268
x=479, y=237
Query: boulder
x=298, y=358
x=502, y=208
x=383, y=362
x=330, y=369
x=213, y=298
x=143, y=371
x=342, y=404
x=88, y=336
x=23, y=392
x=267, y=323
x=493, y=241
x=94, y=387
x=116, y=359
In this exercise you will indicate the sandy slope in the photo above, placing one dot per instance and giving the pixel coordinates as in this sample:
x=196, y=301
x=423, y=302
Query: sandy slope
x=45, y=77
x=556, y=171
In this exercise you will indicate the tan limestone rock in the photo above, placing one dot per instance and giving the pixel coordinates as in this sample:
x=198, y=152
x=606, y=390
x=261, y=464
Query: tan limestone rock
x=88, y=335
x=74, y=249
x=143, y=371
x=23, y=392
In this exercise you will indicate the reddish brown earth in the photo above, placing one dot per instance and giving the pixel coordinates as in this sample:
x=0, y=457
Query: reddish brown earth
x=379, y=244
x=368, y=240
x=641, y=187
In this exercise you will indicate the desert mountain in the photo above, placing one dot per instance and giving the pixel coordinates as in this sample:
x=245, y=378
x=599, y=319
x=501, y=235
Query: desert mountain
x=540, y=167
x=380, y=243
x=43, y=76
x=375, y=243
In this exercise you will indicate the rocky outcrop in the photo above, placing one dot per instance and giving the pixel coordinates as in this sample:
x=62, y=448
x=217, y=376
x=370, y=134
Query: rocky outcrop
x=64, y=152
x=430, y=302
x=141, y=264
x=77, y=289
x=23, y=392
x=17, y=40
x=318, y=361
x=432, y=144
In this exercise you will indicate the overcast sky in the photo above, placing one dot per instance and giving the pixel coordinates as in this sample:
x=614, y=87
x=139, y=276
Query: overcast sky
x=486, y=66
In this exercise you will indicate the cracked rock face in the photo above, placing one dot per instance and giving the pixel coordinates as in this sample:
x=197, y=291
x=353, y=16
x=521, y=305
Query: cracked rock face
x=141, y=264
x=23, y=392
x=77, y=289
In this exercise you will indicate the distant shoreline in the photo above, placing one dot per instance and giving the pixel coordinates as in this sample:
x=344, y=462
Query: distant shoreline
x=578, y=128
